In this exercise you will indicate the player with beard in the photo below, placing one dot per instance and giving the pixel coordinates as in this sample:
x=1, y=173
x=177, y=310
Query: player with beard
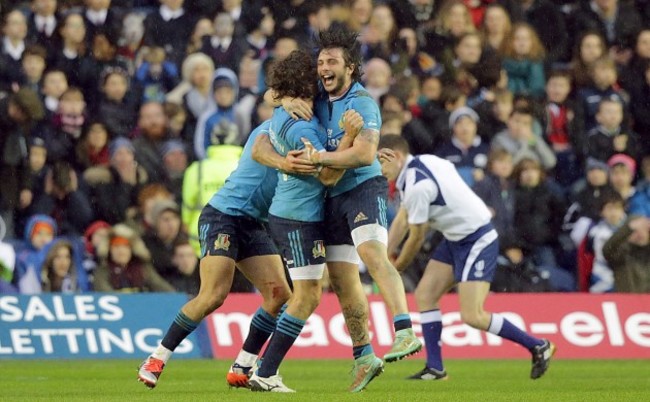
x=355, y=208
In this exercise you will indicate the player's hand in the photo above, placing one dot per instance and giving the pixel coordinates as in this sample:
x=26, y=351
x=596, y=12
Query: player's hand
x=297, y=108
x=296, y=162
x=352, y=123
x=385, y=155
x=311, y=153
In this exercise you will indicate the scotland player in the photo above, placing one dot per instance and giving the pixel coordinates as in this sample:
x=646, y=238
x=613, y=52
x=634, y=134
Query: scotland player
x=433, y=191
x=296, y=218
x=355, y=210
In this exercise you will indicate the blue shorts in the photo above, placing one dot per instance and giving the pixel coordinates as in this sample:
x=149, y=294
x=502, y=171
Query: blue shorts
x=473, y=258
x=363, y=205
x=236, y=237
x=301, y=243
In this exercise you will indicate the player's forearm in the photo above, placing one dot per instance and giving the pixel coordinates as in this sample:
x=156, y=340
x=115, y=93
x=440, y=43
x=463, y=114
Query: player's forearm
x=329, y=176
x=264, y=153
x=360, y=154
x=411, y=247
x=397, y=232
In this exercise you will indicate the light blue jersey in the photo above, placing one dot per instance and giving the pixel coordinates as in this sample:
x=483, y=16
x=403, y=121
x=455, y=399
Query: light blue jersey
x=249, y=189
x=298, y=198
x=330, y=113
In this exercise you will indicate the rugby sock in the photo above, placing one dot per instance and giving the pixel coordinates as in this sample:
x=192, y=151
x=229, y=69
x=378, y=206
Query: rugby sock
x=402, y=321
x=362, y=350
x=505, y=329
x=284, y=307
x=262, y=326
x=179, y=330
x=432, y=330
x=285, y=335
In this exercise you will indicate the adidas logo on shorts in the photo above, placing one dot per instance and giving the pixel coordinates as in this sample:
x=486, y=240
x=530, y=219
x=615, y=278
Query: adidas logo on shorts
x=360, y=217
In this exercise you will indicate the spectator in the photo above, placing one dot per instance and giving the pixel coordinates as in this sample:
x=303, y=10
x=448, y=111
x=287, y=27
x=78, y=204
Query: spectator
x=147, y=197
x=34, y=185
x=19, y=113
x=92, y=149
x=497, y=191
x=40, y=231
x=521, y=142
x=63, y=200
x=217, y=126
x=634, y=73
x=225, y=49
x=249, y=70
x=379, y=37
x=413, y=130
x=131, y=38
x=523, y=61
x=546, y=19
x=562, y=125
x=377, y=77
x=451, y=25
x=33, y=65
x=461, y=67
x=186, y=278
x=101, y=18
x=496, y=27
x=55, y=83
x=203, y=27
x=95, y=235
x=116, y=109
x=59, y=273
x=640, y=109
x=465, y=150
x=115, y=189
x=622, y=169
x=42, y=25
x=13, y=45
x=156, y=76
x=160, y=237
x=495, y=114
x=152, y=125
x=538, y=221
x=589, y=47
x=175, y=160
x=126, y=265
x=608, y=137
x=67, y=124
x=604, y=76
x=407, y=13
x=73, y=47
x=628, y=253
x=612, y=216
x=639, y=203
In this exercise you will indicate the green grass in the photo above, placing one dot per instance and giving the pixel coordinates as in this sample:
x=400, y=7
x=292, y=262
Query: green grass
x=327, y=380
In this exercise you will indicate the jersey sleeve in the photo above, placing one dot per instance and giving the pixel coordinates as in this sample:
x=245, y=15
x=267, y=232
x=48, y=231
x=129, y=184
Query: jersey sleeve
x=368, y=109
x=418, y=197
x=302, y=130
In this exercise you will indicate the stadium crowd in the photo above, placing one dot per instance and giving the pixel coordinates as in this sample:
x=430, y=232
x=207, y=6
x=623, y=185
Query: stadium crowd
x=119, y=119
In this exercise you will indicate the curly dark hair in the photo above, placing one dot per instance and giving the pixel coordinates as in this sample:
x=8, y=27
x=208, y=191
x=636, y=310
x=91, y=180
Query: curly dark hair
x=294, y=76
x=346, y=40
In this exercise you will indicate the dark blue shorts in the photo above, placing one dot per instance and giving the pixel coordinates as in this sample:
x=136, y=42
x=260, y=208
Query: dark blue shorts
x=236, y=237
x=301, y=243
x=473, y=258
x=363, y=205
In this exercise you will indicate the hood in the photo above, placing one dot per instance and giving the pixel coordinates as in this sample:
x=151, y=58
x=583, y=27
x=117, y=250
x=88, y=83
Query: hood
x=32, y=221
x=223, y=72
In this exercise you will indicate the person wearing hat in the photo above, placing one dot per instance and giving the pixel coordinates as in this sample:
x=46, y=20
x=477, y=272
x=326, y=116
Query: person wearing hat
x=175, y=159
x=218, y=126
x=465, y=149
x=622, y=169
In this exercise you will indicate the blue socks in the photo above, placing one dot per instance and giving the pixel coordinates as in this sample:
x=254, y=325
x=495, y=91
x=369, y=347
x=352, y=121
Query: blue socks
x=287, y=330
x=362, y=350
x=179, y=330
x=402, y=321
x=262, y=326
x=505, y=329
x=432, y=330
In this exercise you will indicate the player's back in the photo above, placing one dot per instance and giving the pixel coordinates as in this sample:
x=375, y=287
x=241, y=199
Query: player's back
x=330, y=113
x=249, y=189
x=455, y=210
x=299, y=197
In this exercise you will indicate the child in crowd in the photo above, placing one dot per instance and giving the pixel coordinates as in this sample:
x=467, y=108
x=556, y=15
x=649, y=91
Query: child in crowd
x=612, y=215
x=92, y=148
x=609, y=137
x=55, y=83
x=59, y=273
x=156, y=76
x=604, y=77
x=33, y=66
x=524, y=62
x=622, y=169
x=34, y=185
x=116, y=110
x=67, y=123
x=40, y=230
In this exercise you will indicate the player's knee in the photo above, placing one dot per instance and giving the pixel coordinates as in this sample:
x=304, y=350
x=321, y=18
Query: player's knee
x=309, y=296
x=473, y=318
x=212, y=300
x=422, y=295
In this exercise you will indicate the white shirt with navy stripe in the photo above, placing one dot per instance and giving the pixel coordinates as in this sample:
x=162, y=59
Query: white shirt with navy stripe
x=432, y=190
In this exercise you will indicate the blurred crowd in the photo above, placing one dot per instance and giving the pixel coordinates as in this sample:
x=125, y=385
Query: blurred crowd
x=120, y=118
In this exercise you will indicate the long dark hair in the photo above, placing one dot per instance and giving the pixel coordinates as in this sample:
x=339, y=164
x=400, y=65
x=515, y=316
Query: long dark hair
x=294, y=76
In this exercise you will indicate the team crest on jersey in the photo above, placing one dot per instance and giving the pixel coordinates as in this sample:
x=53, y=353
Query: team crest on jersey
x=319, y=249
x=222, y=242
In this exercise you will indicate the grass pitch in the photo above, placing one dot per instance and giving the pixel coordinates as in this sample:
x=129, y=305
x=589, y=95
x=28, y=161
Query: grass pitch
x=327, y=380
